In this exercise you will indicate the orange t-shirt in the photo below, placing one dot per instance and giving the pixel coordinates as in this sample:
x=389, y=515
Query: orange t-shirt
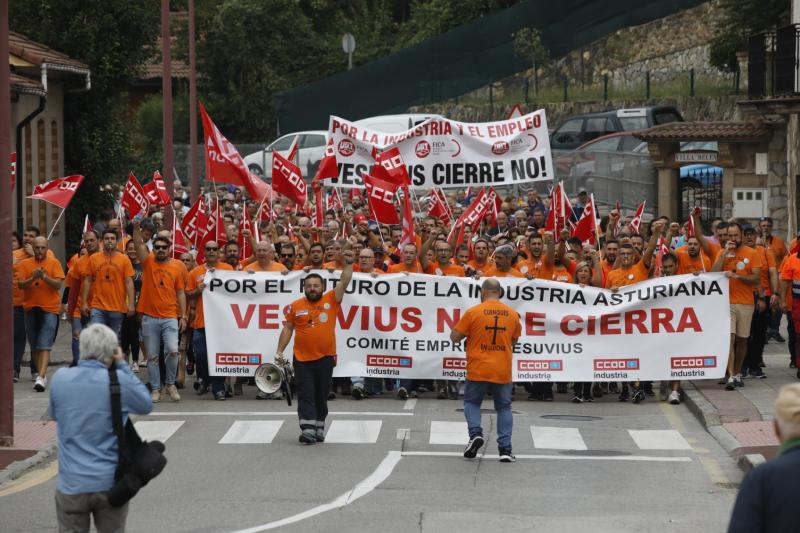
x=493, y=272
x=401, y=267
x=767, y=261
x=537, y=268
x=195, y=277
x=331, y=264
x=622, y=277
x=474, y=265
x=314, y=326
x=490, y=328
x=274, y=266
x=560, y=273
x=18, y=255
x=690, y=265
x=743, y=262
x=39, y=293
x=108, y=281
x=778, y=247
x=72, y=260
x=160, y=285
x=75, y=279
x=790, y=271
x=435, y=269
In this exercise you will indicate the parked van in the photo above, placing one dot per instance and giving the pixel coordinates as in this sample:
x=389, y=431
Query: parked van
x=394, y=123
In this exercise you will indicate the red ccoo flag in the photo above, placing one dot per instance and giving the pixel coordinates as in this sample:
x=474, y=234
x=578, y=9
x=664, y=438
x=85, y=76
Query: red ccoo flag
x=245, y=250
x=586, y=228
x=380, y=196
x=194, y=219
x=288, y=180
x=213, y=231
x=58, y=192
x=637, y=218
x=179, y=246
x=392, y=161
x=134, y=199
x=156, y=191
x=328, y=167
x=319, y=211
x=408, y=236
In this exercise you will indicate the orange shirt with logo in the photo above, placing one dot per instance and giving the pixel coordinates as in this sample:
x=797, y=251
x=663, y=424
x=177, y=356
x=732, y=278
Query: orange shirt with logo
x=490, y=328
x=743, y=261
x=537, y=268
x=16, y=256
x=435, y=269
x=689, y=265
x=474, y=265
x=622, y=277
x=314, y=326
x=75, y=279
x=195, y=277
x=40, y=293
x=108, y=281
x=494, y=272
x=560, y=273
x=160, y=285
x=401, y=267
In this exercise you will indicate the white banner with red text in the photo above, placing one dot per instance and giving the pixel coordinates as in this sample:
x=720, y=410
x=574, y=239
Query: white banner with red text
x=398, y=326
x=445, y=153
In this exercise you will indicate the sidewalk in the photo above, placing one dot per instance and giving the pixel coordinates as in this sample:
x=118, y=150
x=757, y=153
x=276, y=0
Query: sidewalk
x=741, y=420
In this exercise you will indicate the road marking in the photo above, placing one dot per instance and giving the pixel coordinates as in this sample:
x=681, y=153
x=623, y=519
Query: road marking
x=353, y=431
x=449, y=433
x=659, y=439
x=377, y=477
x=672, y=416
x=152, y=430
x=275, y=413
x=31, y=479
x=648, y=458
x=252, y=432
x=410, y=404
x=715, y=473
x=557, y=438
x=403, y=434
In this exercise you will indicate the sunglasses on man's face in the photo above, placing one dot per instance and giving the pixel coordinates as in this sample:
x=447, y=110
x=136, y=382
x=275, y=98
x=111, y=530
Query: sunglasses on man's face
x=212, y=248
x=160, y=247
x=287, y=256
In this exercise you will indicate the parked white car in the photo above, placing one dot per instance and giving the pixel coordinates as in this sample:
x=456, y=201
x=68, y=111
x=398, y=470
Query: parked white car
x=311, y=148
x=394, y=123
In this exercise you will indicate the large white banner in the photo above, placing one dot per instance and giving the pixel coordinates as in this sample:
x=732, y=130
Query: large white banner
x=398, y=326
x=445, y=153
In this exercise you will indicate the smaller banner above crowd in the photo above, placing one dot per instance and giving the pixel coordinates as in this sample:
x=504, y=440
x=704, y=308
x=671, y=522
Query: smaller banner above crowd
x=398, y=326
x=445, y=153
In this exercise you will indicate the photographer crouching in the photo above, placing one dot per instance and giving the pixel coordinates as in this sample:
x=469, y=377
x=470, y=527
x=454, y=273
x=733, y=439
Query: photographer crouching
x=88, y=453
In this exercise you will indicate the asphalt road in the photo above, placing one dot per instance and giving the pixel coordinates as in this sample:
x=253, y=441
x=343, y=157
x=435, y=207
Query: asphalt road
x=389, y=465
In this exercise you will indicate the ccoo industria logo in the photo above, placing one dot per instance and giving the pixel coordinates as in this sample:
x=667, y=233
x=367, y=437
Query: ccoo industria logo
x=239, y=359
x=390, y=361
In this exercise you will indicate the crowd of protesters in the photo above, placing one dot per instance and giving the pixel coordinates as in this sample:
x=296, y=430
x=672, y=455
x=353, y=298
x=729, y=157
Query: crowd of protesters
x=131, y=277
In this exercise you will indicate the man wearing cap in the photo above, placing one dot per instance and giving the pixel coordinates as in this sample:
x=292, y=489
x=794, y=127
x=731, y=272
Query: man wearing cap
x=767, y=500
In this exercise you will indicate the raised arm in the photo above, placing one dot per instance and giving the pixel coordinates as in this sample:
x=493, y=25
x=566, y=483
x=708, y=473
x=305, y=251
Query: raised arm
x=647, y=256
x=344, y=281
x=141, y=250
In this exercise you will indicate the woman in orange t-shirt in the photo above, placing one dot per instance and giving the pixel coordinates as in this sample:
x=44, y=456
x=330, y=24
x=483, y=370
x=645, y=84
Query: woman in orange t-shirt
x=585, y=277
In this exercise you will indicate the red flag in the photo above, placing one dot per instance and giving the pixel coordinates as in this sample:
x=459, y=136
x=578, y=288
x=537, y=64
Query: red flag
x=392, y=161
x=353, y=194
x=87, y=226
x=661, y=250
x=495, y=202
x=156, y=191
x=560, y=211
x=13, y=169
x=690, y=229
x=245, y=250
x=288, y=180
x=476, y=211
x=333, y=202
x=439, y=207
x=213, y=231
x=319, y=213
x=291, y=155
x=380, y=196
x=637, y=218
x=408, y=236
x=179, y=245
x=134, y=198
x=586, y=228
x=194, y=219
x=328, y=167
x=58, y=192
x=223, y=162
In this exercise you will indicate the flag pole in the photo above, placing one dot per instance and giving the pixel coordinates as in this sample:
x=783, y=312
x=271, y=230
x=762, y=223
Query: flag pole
x=55, y=225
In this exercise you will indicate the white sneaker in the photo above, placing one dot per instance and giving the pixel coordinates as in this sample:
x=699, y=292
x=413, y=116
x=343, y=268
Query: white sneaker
x=39, y=385
x=172, y=391
x=135, y=367
x=674, y=397
x=155, y=395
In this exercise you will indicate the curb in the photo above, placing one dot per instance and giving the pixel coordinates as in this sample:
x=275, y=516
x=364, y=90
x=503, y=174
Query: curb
x=18, y=468
x=709, y=417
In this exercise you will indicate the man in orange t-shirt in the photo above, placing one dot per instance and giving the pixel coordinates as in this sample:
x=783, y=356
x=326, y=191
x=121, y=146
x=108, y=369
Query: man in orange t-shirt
x=742, y=267
x=41, y=278
x=539, y=263
x=691, y=259
x=313, y=317
x=194, y=292
x=630, y=271
x=265, y=259
x=490, y=328
x=443, y=266
x=162, y=303
x=480, y=256
x=410, y=261
x=503, y=256
x=110, y=282
x=75, y=278
x=789, y=295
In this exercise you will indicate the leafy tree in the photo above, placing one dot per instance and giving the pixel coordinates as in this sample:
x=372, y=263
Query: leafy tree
x=528, y=44
x=742, y=18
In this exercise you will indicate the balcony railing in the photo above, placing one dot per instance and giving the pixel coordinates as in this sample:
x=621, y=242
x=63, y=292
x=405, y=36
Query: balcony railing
x=772, y=68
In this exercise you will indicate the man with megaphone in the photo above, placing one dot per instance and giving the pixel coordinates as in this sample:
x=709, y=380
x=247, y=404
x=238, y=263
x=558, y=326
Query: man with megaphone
x=313, y=317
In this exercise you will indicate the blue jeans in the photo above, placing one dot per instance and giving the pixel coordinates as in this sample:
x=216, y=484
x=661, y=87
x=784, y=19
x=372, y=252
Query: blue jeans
x=112, y=319
x=77, y=327
x=20, y=339
x=201, y=359
x=501, y=394
x=158, y=332
x=41, y=328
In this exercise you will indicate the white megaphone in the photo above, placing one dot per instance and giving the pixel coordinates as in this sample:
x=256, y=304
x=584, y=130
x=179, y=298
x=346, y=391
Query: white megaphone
x=270, y=378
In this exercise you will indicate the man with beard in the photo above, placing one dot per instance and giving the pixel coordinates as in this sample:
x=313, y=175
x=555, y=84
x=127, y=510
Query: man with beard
x=316, y=257
x=232, y=254
x=538, y=265
x=314, y=319
x=480, y=262
x=75, y=279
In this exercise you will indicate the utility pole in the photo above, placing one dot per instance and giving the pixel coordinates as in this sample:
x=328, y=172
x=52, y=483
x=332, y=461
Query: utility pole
x=195, y=185
x=166, y=89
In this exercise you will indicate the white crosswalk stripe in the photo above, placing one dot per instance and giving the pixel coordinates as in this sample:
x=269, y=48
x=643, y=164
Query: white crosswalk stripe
x=659, y=439
x=252, y=432
x=157, y=429
x=353, y=431
x=448, y=433
x=557, y=438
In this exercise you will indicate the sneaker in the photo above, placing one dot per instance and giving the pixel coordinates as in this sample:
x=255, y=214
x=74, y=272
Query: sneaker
x=319, y=435
x=638, y=396
x=219, y=396
x=331, y=395
x=34, y=376
x=358, y=393
x=237, y=389
x=172, y=390
x=506, y=456
x=597, y=390
x=16, y=377
x=577, y=399
x=308, y=438
x=623, y=396
x=441, y=394
x=589, y=398
x=156, y=396
x=792, y=364
x=737, y=380
x=730, y=384
x=200, y=388
x=414, y=394
x=674, y=397
x=39, y=385
x=547, y=395
x=135, y=367
x=757, y=374
x=402, y=393
x=473, y=446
